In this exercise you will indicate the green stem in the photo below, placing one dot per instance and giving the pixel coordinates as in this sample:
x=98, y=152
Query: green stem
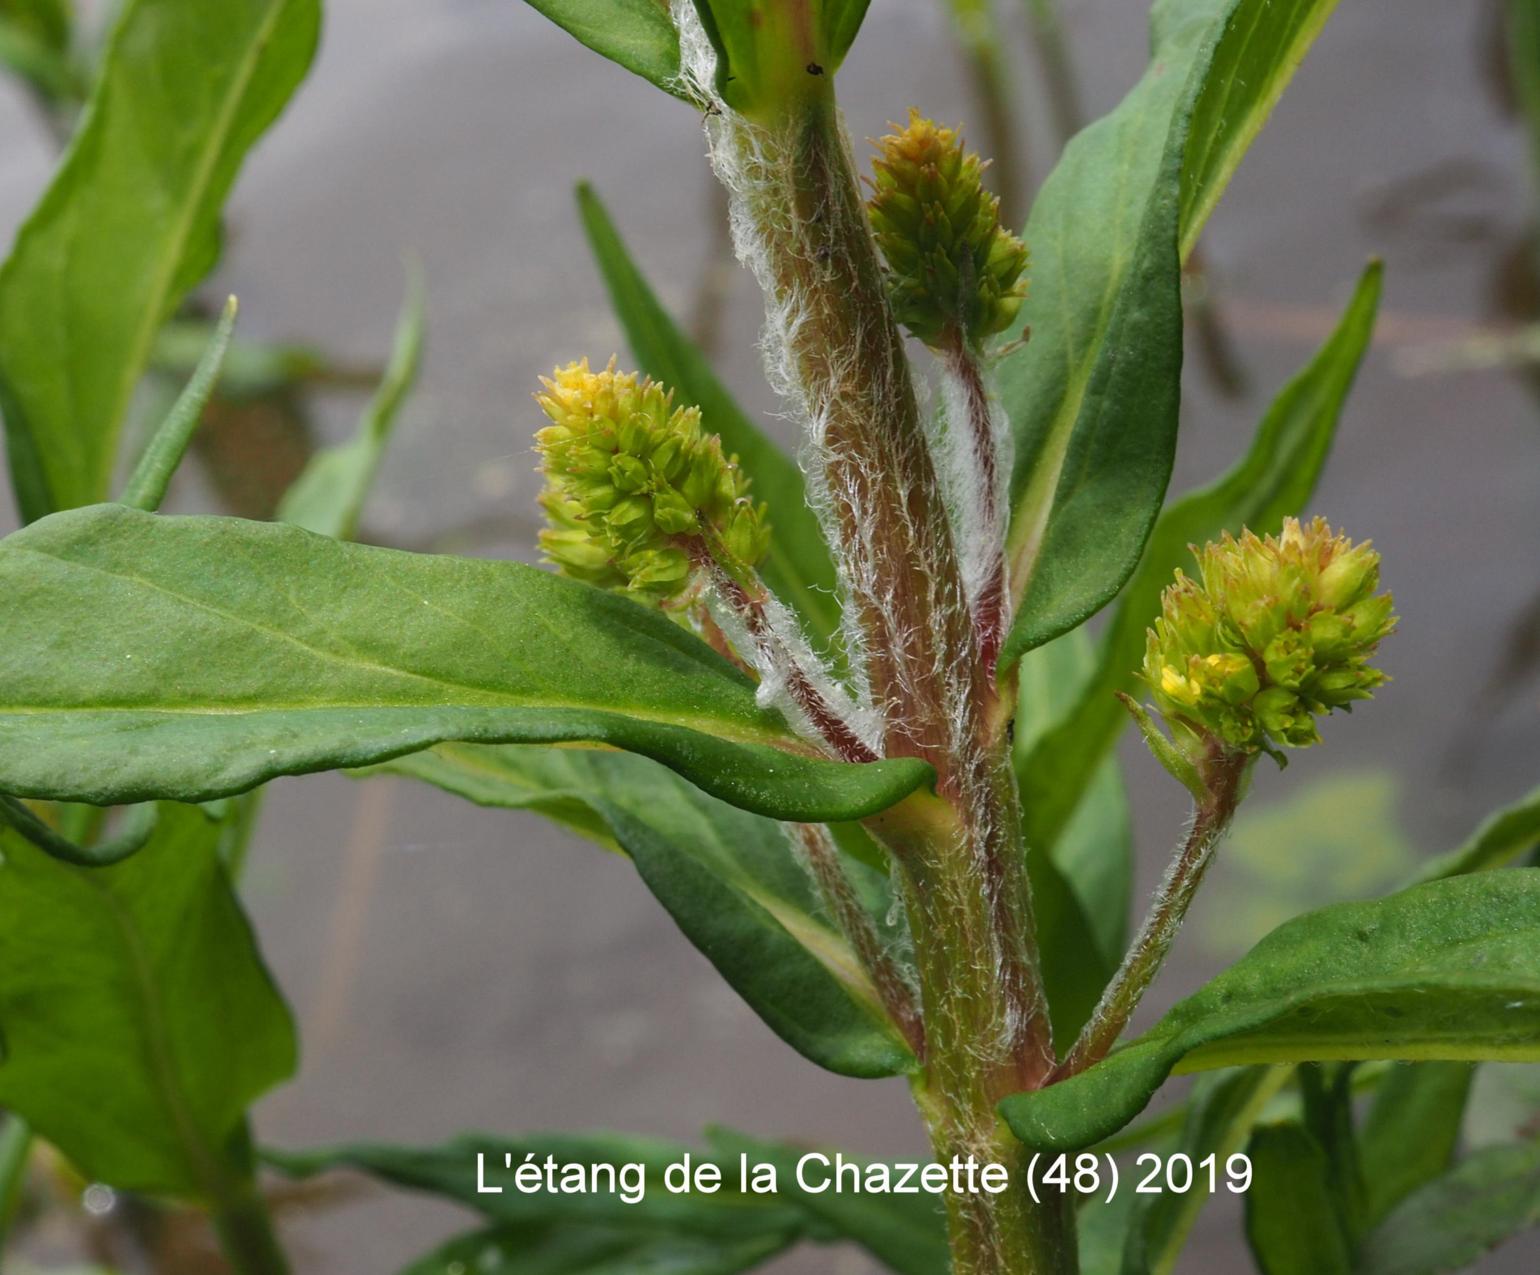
x=15, y=1148
x=1225, y=775
x=246, y=1232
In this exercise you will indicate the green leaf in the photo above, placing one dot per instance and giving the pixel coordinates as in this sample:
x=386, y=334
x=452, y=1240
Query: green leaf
x=728, y=878
x=146, y=486
x=1336, y=837
x=1503, y=837
x=798, y=568
x=1074, y=973
x=565, y=1250
x=1412, y=1130
x=27, y=55
x=449, y=1171
x=1095, y=852
x=193, y=658
x=1262, y=47
x=636, y=34
x=1491, y=1195
x=1093, y=396
x=1445, y=971
x=907, y=1233
x=130, y=222
x=1291, y=1223
x=1219, y=1116
x=1273, y=480
x=48, y=20
x=137, y=1017
x=328, y=496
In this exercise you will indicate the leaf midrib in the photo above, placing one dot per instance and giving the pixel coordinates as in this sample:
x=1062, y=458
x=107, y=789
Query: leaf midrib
x=159, y=1055
x=502, y=698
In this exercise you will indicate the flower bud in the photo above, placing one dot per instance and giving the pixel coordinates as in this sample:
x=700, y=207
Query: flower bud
x=1275, y=632
x=631, y=480
x=955, y=274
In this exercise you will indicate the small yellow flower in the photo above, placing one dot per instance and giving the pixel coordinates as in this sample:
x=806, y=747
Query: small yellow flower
x=634, y=485
x=1277, y=631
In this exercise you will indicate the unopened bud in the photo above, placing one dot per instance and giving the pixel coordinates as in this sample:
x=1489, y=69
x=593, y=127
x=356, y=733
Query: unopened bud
x=955, y=274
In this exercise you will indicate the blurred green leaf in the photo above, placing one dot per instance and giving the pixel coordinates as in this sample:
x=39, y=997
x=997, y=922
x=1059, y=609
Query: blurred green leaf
x=1291, y=1223
x=1274, y=479
x=1337, y=837
x=130, y=222
x=1412, y=1130
x=1502, y=837
x=798, y=568
x=1093, y=396
x=1445, y=971
x=146, y=486
x=1220, y=1113
x=328, y=497
x=906, y=1233
x=728, y=878
x=1262, y=47
x=1489, y=1196
x=145, y=656
x=1095, y=852
x=565, y=1250
x=28, y=55
x=449, y=1171
x=48, y=20
x=635, y=34
x=137, y=1017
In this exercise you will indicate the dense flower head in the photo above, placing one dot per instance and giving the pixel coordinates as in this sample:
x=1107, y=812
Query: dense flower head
x=634, y=485
x=954, y=271
x=1276, y=631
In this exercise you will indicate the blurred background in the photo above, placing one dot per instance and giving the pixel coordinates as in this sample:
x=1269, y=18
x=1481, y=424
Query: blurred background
x=455, y=968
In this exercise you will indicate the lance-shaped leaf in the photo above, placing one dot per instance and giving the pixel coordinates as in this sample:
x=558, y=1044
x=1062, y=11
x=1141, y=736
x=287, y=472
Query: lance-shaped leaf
x=1095, y=853
x=635, y=34
x=1411, y=1131
x=193, y=658
x=535, y=1249
x=328, y=497
x=1093, y=395
x=1502, y=837
x=1445, y=1226
x=1218, y=1121
x=798, y=567
x=457, y=1170
x=1291, y=1218
x=906, y=1233
x=728, y=878
x=1273, y=480
x=1262, y=47
x=137, y=1018
x=130, y=222
x=1449, y=971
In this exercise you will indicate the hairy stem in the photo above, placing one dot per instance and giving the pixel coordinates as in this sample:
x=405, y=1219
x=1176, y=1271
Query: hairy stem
x=989, y=594
x=1225, y=773
x=749, y=602
x=893, y=988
